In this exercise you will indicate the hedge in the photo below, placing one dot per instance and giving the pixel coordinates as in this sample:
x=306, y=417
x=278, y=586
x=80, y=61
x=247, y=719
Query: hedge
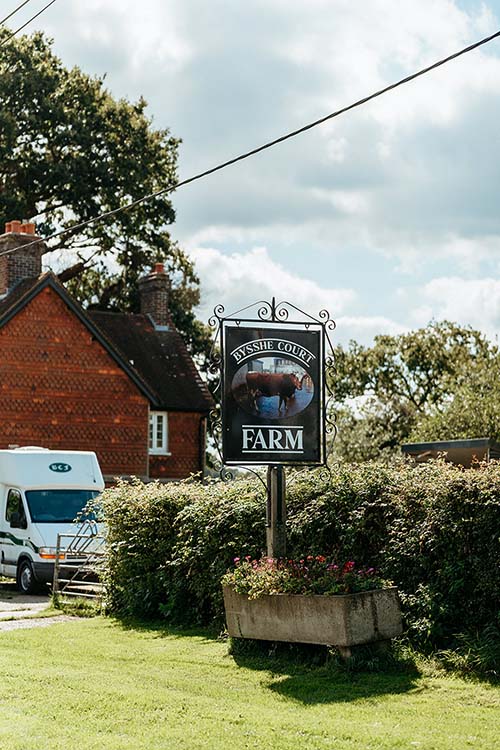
x=433, y=529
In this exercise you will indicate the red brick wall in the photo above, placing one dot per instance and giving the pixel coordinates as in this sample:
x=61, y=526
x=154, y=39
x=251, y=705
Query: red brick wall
x=60, y=389
x=187, y=452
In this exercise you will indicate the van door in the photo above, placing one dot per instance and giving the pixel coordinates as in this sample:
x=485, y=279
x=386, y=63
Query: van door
x=14, y=536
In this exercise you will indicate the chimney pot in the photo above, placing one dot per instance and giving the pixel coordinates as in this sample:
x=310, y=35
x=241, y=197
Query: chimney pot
x=19, y=257
x=154, y=289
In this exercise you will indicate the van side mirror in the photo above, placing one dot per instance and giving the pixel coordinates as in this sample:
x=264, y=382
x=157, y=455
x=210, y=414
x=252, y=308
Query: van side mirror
x=17, y=522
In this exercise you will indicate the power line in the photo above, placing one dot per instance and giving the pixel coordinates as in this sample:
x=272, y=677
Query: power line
x=265, y=146
x=14, y=11
x=4, y=41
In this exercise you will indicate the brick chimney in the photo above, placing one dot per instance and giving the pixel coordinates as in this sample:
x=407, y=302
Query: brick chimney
x=22, y=263
x=153, y=290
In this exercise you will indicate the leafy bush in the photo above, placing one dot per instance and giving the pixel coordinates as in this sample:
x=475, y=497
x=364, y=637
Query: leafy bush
x=475, y=652
x=433, y=529
x=170, y=544
x=310, y=575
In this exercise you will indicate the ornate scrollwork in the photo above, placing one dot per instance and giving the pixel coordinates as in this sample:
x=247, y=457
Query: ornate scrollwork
x=281, y=312
x=215, y=320
x=215, y=421
x=325, y=473
x=326, y=320
x=226, y=474
x=266, y=311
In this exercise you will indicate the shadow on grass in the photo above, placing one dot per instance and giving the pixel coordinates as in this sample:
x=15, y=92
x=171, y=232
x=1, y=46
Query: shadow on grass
x=330, y=686
x=160, y=629
x=316, y=674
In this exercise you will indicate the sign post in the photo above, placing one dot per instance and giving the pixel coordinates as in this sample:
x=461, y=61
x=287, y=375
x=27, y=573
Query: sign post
x=273, y=409
x=276, y=512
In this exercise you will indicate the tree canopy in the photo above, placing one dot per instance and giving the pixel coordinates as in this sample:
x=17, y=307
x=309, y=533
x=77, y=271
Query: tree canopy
x=70, y=151
x=472, y=412
x=408, y=387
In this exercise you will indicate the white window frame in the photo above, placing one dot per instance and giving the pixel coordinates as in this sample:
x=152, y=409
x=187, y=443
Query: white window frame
x=158, y=447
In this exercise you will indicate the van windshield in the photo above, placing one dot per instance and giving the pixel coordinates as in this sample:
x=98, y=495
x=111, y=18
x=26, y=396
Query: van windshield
x=57, y=506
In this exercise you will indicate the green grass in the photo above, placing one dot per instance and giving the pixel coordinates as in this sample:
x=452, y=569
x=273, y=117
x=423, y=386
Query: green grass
x=76, y=606
x=96, y=684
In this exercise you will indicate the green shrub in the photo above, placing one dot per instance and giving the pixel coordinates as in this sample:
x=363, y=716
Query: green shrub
x=432, y=529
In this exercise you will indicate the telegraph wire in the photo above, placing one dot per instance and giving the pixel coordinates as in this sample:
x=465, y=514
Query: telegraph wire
x=12, y=13
x=4, y=41
x=264, y=147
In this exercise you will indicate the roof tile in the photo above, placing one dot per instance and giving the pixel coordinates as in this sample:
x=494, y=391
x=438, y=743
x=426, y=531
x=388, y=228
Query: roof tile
x=159, y=356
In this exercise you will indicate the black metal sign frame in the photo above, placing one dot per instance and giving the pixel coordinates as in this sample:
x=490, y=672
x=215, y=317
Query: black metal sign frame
x=273, y=317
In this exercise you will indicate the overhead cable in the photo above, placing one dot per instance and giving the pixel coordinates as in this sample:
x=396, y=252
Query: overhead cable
x=265, y=146
x=7, y=38
x=13, y=13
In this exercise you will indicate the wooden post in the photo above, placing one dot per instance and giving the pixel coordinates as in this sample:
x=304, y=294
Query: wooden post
x=276, y=512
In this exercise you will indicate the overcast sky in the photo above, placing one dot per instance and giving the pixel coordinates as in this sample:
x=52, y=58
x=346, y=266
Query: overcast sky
x=388, y=216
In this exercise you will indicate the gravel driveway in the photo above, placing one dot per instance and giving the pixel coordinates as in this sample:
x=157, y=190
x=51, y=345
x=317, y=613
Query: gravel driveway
x=19, y=611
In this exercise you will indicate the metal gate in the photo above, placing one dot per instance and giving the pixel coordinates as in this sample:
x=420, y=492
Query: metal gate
x=79, y=562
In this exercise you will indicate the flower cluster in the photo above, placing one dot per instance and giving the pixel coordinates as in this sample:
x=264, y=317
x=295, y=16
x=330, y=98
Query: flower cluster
x=314, y=574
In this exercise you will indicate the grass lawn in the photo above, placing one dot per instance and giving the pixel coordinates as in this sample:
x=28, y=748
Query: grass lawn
x=93, y=683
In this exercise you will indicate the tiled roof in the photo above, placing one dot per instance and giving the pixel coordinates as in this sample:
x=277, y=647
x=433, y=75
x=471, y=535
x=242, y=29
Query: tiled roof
x=11, y=300
x=156, y=359
x=159, y=356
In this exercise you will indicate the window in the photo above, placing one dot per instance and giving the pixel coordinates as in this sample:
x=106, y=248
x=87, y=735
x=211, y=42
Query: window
x=14, y=510
x=57, y=506
x=158, y=433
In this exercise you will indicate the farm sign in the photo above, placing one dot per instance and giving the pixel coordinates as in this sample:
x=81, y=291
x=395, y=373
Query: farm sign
x=272, y=397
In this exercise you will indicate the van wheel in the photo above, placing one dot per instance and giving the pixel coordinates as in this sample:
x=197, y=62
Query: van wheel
x=26, y=582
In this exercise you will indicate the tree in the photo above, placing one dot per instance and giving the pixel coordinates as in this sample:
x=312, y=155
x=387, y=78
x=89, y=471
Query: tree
x=473, y=411
x=70, y=151
x=385, y=390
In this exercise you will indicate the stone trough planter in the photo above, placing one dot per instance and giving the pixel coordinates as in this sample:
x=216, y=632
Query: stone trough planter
x=343, y=620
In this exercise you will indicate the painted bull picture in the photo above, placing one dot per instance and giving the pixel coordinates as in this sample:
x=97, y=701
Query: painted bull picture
x=269, y=384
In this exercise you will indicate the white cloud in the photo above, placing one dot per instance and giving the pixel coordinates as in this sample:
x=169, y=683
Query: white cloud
x=240, y=279
x=345, y=201
x=474, y=302
x=363, y=329
x=150, y=31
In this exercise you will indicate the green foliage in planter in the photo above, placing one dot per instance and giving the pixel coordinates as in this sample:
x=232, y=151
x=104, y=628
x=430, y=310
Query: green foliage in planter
x=432, y=529
x=314, y=574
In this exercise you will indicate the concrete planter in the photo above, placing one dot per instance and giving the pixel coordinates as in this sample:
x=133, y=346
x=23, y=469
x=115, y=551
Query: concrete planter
x=343, y=620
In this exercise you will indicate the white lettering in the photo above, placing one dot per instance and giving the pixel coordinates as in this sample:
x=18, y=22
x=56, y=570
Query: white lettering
x=259, y=440
x=247, y=436
x=271, y=346
x=275, y=440
x=294, y=441
x=267, y=439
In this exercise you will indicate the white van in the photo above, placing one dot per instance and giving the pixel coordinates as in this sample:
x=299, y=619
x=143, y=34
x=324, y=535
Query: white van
x=41, y=494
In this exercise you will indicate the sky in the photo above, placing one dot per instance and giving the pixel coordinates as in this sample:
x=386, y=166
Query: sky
x=387, y=216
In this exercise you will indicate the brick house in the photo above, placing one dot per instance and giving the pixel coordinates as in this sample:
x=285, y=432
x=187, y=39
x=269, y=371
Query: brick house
x=121, y=384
